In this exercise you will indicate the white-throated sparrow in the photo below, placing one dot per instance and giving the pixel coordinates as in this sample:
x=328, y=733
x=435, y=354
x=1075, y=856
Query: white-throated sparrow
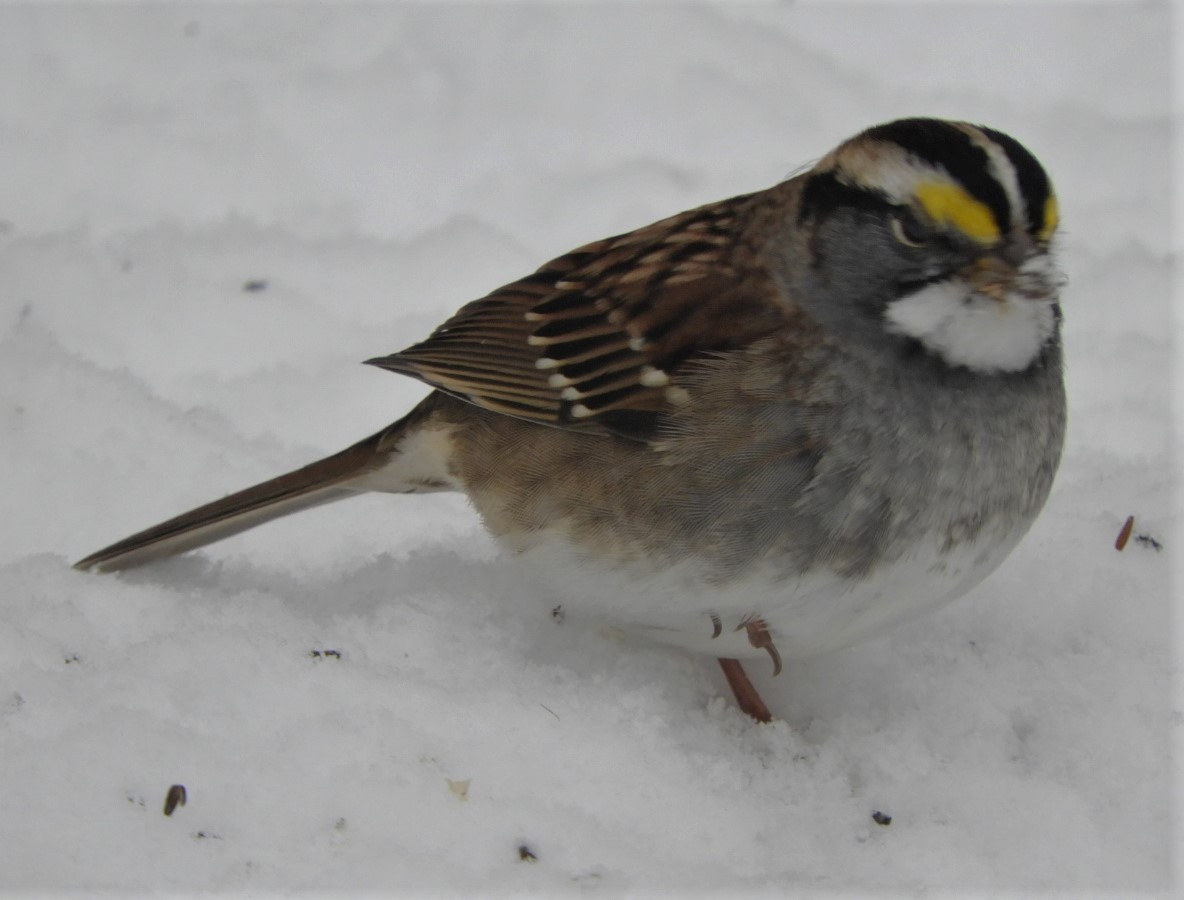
x=773, y=424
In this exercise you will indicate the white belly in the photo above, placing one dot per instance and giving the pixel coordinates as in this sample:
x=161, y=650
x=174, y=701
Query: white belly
x=806, y=615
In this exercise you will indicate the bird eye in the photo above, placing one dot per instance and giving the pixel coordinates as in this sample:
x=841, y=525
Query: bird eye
x=907, y=230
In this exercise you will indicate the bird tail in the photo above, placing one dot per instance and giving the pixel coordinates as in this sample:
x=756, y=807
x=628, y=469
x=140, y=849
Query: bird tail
x=406, y=457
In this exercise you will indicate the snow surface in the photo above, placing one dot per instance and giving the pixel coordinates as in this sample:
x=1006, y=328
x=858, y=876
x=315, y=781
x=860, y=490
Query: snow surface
x=377, y=166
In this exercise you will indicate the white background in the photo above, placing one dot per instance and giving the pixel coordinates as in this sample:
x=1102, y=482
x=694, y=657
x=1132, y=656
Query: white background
x=378, y=166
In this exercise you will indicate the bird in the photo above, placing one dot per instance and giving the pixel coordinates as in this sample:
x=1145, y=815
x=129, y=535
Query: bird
x=769, y=426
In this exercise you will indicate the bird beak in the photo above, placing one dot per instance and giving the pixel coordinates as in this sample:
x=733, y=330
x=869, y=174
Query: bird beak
x=991, y=276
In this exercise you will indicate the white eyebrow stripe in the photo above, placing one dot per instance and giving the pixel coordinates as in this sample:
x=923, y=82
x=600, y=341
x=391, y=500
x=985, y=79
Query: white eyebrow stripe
x=886, y=168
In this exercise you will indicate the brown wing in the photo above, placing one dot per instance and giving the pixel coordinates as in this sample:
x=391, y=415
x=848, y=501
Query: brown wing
x=594, y=339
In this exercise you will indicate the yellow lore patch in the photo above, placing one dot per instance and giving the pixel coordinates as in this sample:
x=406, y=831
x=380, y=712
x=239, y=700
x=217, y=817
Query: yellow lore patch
x=950, y=205
x=1052, y=217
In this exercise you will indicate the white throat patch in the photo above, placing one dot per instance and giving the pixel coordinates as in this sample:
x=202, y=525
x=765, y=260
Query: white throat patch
x=973, y=330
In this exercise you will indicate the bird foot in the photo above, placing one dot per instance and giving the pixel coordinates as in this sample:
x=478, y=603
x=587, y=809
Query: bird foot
x=759, y=637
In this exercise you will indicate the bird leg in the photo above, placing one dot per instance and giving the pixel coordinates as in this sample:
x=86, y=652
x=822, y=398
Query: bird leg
x=747, y=698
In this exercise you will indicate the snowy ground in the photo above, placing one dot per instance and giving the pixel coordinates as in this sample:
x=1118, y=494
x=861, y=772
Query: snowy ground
x=374, y=168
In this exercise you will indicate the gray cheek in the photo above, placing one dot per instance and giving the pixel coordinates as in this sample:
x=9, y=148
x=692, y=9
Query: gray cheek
x=856, y=263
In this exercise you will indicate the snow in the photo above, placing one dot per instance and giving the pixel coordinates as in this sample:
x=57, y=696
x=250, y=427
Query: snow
x=374, y=167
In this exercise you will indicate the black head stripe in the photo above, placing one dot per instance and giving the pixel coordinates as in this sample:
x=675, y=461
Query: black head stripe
x=824, y=192
x=1033, y=180
x=944, y=145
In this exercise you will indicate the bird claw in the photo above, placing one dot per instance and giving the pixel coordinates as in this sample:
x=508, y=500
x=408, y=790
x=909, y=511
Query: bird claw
x=759, y=637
